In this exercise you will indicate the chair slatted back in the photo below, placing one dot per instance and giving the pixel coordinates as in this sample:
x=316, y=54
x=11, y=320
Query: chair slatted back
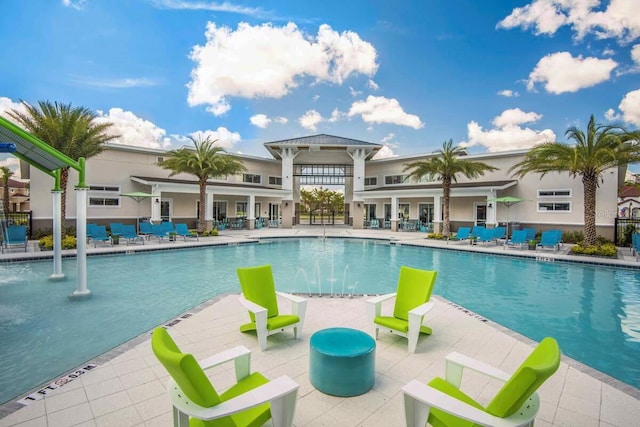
x=258, y=286
x=532, y=373
x=414, y=289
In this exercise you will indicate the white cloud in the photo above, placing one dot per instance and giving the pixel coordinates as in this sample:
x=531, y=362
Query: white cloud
x=515, y=116
x=384, y=153
x=612, y=116
x=260, y=120
x=508, y=135
x=223, y=137
x=508, y=93
x=635, y=54
x=336, y=116
x=630, y=107
x=134, y=130
x=121, y=83
x=378, y=109
x=560, y=72
x=13, y=163
x=310, y=120
x=207, y=5
x=6, y=104
x=268, y=61
x=354, y=92
x=75, y=4
x=608, y=52
x=388, y=138
x=372, y=85
x=619, y=20
x=281, y=120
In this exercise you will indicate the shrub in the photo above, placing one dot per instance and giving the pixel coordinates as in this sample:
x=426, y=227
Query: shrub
x=213, y=232
x=605, y=249
x=572, y=236
x=437, y=236
x=46, y=243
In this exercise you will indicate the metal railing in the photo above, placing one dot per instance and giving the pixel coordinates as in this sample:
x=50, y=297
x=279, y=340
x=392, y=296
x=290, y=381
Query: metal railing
x=624, y=229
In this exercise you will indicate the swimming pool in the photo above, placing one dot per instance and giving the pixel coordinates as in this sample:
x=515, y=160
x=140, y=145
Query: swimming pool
x=594, y=312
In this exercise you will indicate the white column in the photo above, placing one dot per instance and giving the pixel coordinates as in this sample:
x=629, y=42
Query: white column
x=155, y=206
x=208, y=206
x=287, y=154
x=394, y=213
x=437, y=214
x=81, y=291
x=251, y=211
x=358, y=156
x=57, y=235
x=492, y=211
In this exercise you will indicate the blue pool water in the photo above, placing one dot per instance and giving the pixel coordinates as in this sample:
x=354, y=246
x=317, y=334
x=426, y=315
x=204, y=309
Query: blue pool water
x=593, y=312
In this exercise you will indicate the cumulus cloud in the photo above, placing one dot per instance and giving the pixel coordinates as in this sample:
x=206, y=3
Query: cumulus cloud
x=6, y=105
x=612, y=116
x=116, y=83
x=354, y=92
x=336, y=116
x=388, y=144
x=619, y=20
x=378, y=109
x=134, y=130
x=630, y=107
x=560, y=72
x=13, y=163
x=508, y=93
x=75, y=4
x=207, y=5
x=262, y=120
x=635, y=54
x=224, y=138
x=372, y=85
x=310, y=120
x=508, y=134
x=269, y=61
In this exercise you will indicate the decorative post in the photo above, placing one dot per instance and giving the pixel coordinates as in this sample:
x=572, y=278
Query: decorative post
x=81, y=292
x=56, y=194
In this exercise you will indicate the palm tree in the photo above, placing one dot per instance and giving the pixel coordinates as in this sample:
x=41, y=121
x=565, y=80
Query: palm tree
x=70, y=130
x=205, y=162
x=601, y=148
x=5, y=174
x=446, y=165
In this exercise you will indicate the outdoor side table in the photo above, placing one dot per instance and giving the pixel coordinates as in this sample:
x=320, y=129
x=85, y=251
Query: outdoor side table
x=342, y=361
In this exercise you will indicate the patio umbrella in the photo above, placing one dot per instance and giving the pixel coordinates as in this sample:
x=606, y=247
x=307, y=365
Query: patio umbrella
x=508, y=201
x=138, y=196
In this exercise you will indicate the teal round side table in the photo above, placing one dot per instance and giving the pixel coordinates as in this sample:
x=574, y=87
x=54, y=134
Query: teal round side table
x=342, y=362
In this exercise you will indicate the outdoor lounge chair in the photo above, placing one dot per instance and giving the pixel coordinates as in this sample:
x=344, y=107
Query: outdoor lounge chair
x=15, y=237
x=157, y=230
x=464, y=233
x=486, y=236
x=252, y=401
x=259, y=296
x=500, y=233
x=183, y=231
x=412, y=302
x=146, y=229
x=129, y=234
x=99, y=234
x=549, y=239
x=477, y=230
x=518, y=238
x=116, y=228
x=531, y=233
x=442, y=403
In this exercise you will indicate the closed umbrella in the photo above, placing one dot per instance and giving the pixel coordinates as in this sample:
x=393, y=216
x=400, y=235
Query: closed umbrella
x=508, y=201
x=138, y=196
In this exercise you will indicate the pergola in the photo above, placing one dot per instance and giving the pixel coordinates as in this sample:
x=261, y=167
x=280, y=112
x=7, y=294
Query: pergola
x=50, y=161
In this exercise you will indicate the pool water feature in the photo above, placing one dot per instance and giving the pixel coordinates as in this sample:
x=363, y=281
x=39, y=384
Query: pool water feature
x=593, y=311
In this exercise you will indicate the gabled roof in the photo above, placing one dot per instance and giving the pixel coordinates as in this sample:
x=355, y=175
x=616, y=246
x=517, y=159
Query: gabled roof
x=629, y=191
x=317, y=142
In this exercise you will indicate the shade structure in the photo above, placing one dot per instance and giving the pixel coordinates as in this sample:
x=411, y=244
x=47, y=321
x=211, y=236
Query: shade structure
x=138, y=196
x=508, y=201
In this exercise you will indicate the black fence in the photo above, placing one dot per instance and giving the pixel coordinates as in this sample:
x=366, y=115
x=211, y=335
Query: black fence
x=20, y=218
x=624, y=229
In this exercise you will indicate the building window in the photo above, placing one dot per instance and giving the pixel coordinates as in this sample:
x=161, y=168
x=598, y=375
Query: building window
x=107, y=188
x=554, y=193
x=104, y=201
x=394, y=179
x=427, y=178
x=104, y=195
x=554, y=206
x=241, y=209
x=253, y=178
x=275, y=180
x=159, y=159
x=371, y=180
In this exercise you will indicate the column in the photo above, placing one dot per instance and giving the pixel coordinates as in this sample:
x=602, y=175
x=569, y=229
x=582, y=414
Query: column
x=437, y=214
x=81, y=291
x=394, y=213
x=251, y=211
x=492, y=209
x=287, y=154
x=155, y=206
x=208, y=211
x=57, y=235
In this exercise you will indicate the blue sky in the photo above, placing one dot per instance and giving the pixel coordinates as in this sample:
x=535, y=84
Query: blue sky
x=493, y=75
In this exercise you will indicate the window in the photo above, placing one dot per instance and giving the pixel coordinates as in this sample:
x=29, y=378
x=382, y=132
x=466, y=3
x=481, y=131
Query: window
x=159, y=159
x=427, y=178
x=394, y=179
x=403, y=210
x=241, y=209
x=104, y=201
x=219, y=210
x=111, y=189
x=104, y=195
x=554, y=193
x=371, y=180
x=249, y=177
x=275, y=180
x=554, y=206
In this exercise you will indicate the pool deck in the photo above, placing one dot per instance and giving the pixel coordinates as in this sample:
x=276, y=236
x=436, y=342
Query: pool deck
x=128, y=387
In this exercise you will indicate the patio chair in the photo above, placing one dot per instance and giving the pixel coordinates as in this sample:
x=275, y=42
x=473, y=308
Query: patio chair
x=15, y=237
x=183, y=231
x=463, y=233
x=374, y=225
x=146, y=229
x=90, y=227
x=251, y=401
x=167, y=227
x=115, y=228
x=518, y=238
x=500, y=234
x=99, y=234
x=412, y=302
x=259, y=297
x=531, y=233
x=477, y=230
x=273, y=223
x=129, y=234
x=442, y=403
x=549, y=239
x=487, y=236
x=157, y=230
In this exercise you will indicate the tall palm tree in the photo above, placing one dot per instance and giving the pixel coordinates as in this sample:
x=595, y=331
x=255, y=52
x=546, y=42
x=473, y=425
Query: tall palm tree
x=446, y=165
x=5, y=174
x=71, y=130
x=601, y=148
x=205, y=162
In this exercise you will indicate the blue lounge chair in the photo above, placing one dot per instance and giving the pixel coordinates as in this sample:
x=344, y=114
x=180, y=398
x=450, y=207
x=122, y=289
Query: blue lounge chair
x=146, y=229
x=635, y=244
x=559, y=234
x=486, y=236
x=531, y=233
x=518, y=238
x=167, y=227
x=500, y=233
x=477, y=230
x=100, y=235
x=115, y=228
x=464, y=233
x=550, y=239
x=15, y=237
x=90, y=228
x=183, y=231
x=130, y=235
x=157, y=230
